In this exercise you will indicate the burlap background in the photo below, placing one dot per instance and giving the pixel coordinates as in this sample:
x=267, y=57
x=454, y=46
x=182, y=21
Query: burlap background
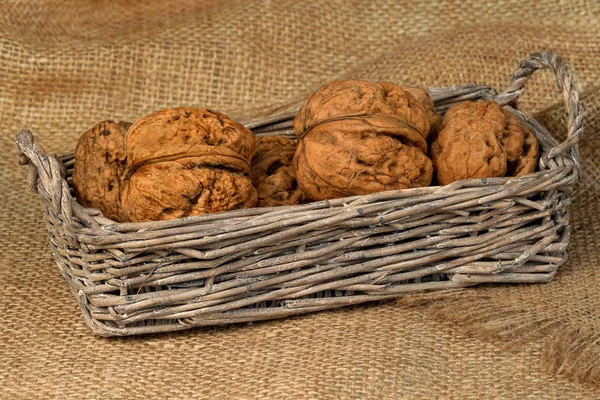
x=65, y=65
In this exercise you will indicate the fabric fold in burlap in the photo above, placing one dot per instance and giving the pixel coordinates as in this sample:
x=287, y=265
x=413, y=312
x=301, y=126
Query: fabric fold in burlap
x=67, y=65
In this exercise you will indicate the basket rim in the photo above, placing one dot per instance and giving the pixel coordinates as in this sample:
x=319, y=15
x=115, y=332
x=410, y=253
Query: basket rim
x=105, y=224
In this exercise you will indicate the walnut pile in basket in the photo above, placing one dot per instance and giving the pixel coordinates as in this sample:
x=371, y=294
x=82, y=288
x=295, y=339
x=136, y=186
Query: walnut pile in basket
x=353, y=138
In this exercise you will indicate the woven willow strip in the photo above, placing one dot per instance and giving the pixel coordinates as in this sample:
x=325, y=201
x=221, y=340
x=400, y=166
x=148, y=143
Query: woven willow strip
x=265, y=263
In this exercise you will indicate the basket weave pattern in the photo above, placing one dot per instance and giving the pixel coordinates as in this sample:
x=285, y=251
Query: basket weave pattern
x=265, y=263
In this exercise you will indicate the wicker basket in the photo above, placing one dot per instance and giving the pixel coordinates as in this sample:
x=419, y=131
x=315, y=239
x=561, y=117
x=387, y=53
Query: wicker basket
x=264, y=263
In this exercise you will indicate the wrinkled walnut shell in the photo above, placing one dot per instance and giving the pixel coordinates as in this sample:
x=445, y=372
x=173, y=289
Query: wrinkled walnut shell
x=183, y=130
x=185, y=161
x=345, y=99
x=177, y=189
x=99, y=167
x=273, y=175
x=482, y=140
x=355, y=158
x=358, y=137
x=423, y=96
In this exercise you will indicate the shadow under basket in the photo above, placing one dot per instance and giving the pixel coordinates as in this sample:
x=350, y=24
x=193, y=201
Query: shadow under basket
x=265, y=263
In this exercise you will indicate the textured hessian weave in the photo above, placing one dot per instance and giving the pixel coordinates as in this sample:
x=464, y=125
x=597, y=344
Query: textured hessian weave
x=66, y=65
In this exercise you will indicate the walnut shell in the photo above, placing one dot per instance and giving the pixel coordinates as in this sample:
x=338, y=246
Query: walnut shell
x=358, y=137
x=423, y=96
x=356, y=98
x=482, y=140
x=177, y=189
x=99, y=167
x=185, y=161
x=183, y=130
x=272, y=172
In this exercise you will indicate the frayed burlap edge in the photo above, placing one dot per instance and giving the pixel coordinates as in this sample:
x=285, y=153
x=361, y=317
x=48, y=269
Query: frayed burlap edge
x=569, y=351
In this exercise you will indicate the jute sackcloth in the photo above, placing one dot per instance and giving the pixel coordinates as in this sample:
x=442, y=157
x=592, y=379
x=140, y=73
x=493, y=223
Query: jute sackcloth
x=65, y=65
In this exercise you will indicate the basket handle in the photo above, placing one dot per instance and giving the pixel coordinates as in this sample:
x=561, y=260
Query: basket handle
x=45, y=173
x=564, y=81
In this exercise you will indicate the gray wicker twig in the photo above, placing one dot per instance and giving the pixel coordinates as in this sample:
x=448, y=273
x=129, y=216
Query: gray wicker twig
x=264, y=263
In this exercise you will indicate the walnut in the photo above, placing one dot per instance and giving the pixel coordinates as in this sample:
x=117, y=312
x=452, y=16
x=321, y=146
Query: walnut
x=358, y=137
x=272, y=172
x=423, y=96
x=482, y=140
x=99, y=166
x=185, y=161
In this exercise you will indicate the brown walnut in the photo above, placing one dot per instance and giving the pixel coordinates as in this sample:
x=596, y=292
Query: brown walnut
x=272, y=172
x=482, y=140
x=423, y=96
x=358, y=137
x=99, y=166
x=185, y=161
